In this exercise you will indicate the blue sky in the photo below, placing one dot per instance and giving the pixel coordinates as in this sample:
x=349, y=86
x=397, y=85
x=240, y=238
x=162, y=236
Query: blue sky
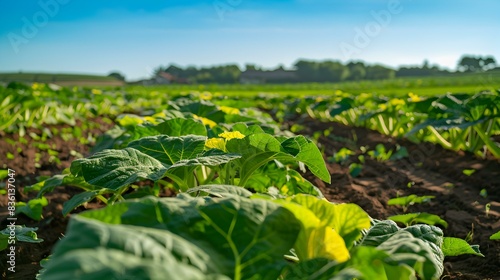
x=135, y=37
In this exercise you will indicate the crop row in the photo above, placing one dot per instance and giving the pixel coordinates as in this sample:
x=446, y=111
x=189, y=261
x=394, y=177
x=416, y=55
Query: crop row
x=243, y=210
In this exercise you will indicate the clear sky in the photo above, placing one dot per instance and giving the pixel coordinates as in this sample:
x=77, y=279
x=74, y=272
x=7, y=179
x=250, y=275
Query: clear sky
x=135, y=37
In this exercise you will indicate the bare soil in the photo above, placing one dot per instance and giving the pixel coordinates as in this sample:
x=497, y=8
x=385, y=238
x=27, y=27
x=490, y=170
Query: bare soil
x=430, y=169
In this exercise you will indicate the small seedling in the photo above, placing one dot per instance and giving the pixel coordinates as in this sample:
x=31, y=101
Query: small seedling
x=406, y=201
x=470, y=236
x=355, y=169
x=483, y=193
x=469, y=172
x=487, y=209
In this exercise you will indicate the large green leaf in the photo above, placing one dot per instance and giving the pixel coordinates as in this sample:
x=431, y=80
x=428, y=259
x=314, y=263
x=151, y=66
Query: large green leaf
x=424, y=238
x=247, y=130
x=260, y=148
x=181, y=127
x=287, y=181
x=455, y=247
x=200, y=108
x=347, y=219
x=113, y=169
x=316, y=238
x=209, y=158
x=365, y=263
x=174, y=157
x=403, y=247
x=219, y=191
x=95, y=250
x=169, y=150
x=231, y=238
x=341, y=106
x=51, y=183
x=78, y=200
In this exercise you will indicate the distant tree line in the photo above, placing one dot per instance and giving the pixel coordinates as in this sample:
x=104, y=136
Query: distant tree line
x=323, y=71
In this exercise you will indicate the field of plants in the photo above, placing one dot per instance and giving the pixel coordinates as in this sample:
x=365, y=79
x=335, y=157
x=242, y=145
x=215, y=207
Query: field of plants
x=206, y=183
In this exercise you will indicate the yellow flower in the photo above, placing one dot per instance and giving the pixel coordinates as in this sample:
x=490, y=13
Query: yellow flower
x=160, y=115
x=215, y=143
x=396, y=102
x=285, y=189
x=96, y=91
x=130, y=120
x=229, y=110
x=36, y=86
x=414, y=97
x=205, y=121
x=151, y=120
x=205, y=95
x=232, y=135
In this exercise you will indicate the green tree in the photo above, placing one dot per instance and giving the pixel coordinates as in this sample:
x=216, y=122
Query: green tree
x=379, y=72
x=469, y=63
x=357, y=71
x=117, y=75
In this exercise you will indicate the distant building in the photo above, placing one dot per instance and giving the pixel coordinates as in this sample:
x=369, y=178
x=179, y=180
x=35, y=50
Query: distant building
x=279, y=75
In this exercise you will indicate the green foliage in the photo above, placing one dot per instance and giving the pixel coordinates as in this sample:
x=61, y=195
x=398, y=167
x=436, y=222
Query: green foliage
x=259, y=149
x=21, y=234
x=33, y=208
x=342, y=155
x=223, y=159
x=410, y=239
x=495, y=236
x=414, y=218
x=456, y=247
x=233, y=236
x=227, y=238
x=469, y=172
x=406, y=201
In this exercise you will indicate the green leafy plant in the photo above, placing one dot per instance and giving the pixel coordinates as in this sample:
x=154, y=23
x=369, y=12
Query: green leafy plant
x=21, y=234
x=414, y=218
x=406, y=201
x=234, y=234
x=32, y=208
x=495, y=236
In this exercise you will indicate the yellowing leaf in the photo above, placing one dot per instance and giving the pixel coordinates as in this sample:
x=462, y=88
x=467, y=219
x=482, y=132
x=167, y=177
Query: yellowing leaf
x=232, y=135
x=205, y=121
x=347, y=219
x=285, y=189
x=216, y=143
x=229, y=110
x=205, y=95
x=151, y=120
x=326, y=242
x=130, y=120
x=316, y=239
x=160, y=115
